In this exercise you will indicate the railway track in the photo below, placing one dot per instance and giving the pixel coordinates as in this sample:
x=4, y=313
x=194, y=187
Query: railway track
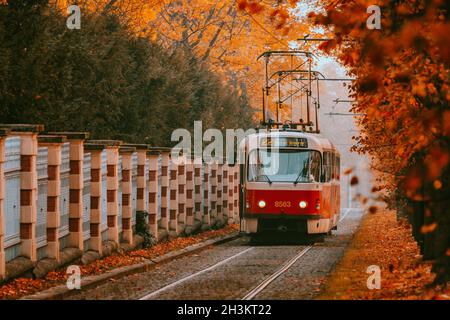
x=259, y=288
x=254, y=292
x=180, y=281
x=251, y=294
x=237, y=270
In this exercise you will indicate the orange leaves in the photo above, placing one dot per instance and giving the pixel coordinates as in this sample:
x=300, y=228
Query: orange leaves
x=348, y=171
x=252, y=7
x=403, y=76
x=327, y=46
x=279, y=17
x=354, y=181
x=402, y=84
x=19, y=287
x=419, y=89
x=368, y=84
x=255, y=7
x=437, y=184
x=403, y=9
x=413, y=181
x=383, y=242
x=435, y=162
x=376, y=189
x=350, y=58
x=242, y=4
x=446, y=123
x=373, y=209
x=56, y=276
x=427, y=172
x=441, y=39
x=428, y=228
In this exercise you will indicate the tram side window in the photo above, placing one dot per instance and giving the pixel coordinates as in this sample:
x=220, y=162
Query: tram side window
x=333, y=166
x=315, y=166
x=327, y=166
x=338, y=168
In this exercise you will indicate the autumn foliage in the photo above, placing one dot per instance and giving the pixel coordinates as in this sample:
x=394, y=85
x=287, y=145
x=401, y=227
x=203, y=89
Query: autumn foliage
x=402, y=88
x=402, y=92
x=381, y=241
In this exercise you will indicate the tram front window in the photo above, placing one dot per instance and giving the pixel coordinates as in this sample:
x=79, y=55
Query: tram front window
x=284, y=165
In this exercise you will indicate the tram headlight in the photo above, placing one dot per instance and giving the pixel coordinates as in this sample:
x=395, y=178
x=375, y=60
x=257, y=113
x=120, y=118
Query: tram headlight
x=303, y=204
x=261, y=204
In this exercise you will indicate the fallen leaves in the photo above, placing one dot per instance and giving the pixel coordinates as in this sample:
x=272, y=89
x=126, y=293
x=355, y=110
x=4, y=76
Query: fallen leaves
x=348, y=171
x=354, y=181
x=384, y=242
x=373, y=209
x=24, y=286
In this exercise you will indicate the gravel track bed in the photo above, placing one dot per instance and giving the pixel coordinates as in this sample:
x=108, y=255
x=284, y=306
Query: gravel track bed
x=307, y=277
x=137, y=285
x=236, y=278
x=233, y=280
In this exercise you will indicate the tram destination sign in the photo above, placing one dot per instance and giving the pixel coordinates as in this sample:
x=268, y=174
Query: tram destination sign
x=283, y=142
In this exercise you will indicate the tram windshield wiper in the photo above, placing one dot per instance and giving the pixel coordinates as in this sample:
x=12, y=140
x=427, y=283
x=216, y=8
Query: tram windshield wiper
x=298, y=177
x=267, y=177
x=300, y=174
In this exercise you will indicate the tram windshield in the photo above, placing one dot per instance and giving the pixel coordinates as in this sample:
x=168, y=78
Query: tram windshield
x=284, y=165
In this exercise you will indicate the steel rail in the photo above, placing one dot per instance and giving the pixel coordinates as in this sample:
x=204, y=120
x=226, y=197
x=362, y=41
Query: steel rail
x=180, y=281
x=255, y=291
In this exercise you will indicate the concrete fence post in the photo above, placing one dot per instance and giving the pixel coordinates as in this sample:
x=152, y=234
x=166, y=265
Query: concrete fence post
x=126, y=184
x=54, y=147
x=112, y=189
x=3, y=134
x=206, y=195
x=225, y=169
x=164, y=222
x=219, y=193
x=140, y=180
x=182, y=191
x=213, y=193
x=28, y=195
x=76, y=181
x=95, y=214
x=198, y=210
x=190, y=192
x=173, y=186
x=76, y=185
x=28, y=188
x=153, y=192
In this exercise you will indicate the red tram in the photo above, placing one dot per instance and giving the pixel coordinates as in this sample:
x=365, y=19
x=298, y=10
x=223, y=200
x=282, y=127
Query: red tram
x=289, y=182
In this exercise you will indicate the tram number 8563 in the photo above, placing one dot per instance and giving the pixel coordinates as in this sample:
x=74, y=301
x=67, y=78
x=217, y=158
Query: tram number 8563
x=282, y=204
